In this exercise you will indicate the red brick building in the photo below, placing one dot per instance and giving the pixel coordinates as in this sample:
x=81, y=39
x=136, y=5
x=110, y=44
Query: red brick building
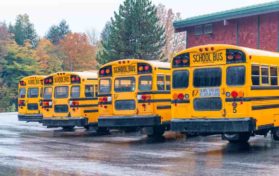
x=254, y=26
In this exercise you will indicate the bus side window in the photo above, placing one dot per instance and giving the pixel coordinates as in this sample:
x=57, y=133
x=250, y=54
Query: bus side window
x=89, y=92
x=167, y=82
x=255, y=75
x=273, y=76
x=160, y=82
x=96, y=91
x=265, y=74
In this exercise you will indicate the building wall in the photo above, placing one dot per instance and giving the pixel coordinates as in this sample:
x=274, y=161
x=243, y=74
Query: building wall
x=254, y=32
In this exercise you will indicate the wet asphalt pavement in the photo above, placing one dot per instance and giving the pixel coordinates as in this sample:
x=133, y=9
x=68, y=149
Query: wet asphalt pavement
x=30, y=149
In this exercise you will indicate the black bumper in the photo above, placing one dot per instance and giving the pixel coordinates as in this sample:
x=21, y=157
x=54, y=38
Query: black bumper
x=30, y=118
x=52, y=123
x=129, y=121
x=214, y=126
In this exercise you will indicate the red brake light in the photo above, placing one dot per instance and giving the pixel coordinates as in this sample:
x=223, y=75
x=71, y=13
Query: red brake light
x=180, y=96
x=105, y=99
x=177, y=61
x=237, y=56
x=102, y=72
x=234, y=94
x=144, y=97
x=146, y=67
x=206, y=49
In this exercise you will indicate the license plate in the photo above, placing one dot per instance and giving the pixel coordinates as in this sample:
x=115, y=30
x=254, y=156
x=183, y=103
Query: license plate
x=210, y=92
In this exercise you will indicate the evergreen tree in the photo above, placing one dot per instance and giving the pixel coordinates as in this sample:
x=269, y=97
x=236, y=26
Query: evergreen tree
x=58, y=32
x=17, y=63
x=24, y=30
x=102, y=56
x=135, y=32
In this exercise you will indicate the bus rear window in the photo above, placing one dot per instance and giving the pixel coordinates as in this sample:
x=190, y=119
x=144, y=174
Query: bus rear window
x=105, y=86
x=180, y=79
x=207, y=77
x=22, y=93
x=236, y=76
x=61, y=92
x=47, y=93
x=145, y=83
x=126, y=84
x=33, y=93
x=75, y=92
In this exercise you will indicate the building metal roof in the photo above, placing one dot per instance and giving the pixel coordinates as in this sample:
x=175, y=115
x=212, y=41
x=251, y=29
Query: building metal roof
x=228, y=14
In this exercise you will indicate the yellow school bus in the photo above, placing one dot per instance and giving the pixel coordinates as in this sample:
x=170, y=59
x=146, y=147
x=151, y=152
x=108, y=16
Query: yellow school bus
x=29, y=98
x=70, y=99
x=225, y=89
x=135, y=94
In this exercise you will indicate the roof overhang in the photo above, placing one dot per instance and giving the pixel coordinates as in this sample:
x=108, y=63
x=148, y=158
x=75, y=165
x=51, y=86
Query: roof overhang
x=228, y=15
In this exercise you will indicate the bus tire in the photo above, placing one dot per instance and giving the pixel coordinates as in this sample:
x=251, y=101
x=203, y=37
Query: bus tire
x=103, y=130
x=275, y=134
x=156, y=131
x=68, y=128
x=237, y=138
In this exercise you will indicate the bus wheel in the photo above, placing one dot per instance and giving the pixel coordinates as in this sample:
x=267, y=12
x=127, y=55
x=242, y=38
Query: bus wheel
x=237, y=138
x=156, y=131
x=102, y=130
x=275, y=134
x=68, y=128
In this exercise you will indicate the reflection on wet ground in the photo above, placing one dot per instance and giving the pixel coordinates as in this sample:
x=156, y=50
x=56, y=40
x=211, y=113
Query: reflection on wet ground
x=30, y=149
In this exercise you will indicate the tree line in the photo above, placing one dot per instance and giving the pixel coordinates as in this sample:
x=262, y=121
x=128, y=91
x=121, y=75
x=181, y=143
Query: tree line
x=138, y=29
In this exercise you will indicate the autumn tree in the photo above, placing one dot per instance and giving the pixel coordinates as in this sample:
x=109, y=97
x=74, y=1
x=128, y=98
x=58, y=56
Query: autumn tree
x=58, y=32
x=174, y=41
x=24, y=30
x=79, y=55
x=48, y=57
x=135, y=32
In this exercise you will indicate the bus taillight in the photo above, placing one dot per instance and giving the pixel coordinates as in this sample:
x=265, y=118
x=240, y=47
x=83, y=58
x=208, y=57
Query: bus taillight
x=48, y=80
x=74, y=103
x=47, y=103
x=21, y=103
x=144, y=97
x=75, y=79
x=234, y=94
x=22, y=83
x=180, y=96
x=175, y=96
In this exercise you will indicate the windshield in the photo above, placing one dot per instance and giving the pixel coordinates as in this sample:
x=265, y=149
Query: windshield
x=126, y=84
x=61, y=92
x=145, y=83
x=180, y=79
x=236, y=76
x=105, y=86
x=75, y=92
x=33, y=93
x=22, y=93
x=47, y=93
x=207, y=77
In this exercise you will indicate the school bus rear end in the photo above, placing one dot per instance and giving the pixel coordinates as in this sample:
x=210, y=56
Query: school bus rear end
x=29, y=99
x=66, y=103
x=135, y=94
x=213, y=93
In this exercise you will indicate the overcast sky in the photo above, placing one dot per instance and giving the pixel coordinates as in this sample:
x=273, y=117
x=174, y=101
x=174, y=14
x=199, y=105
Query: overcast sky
x=84, y=15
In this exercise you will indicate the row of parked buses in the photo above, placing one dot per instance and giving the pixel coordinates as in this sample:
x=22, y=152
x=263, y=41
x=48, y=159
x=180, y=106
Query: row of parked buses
x=210, y=89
